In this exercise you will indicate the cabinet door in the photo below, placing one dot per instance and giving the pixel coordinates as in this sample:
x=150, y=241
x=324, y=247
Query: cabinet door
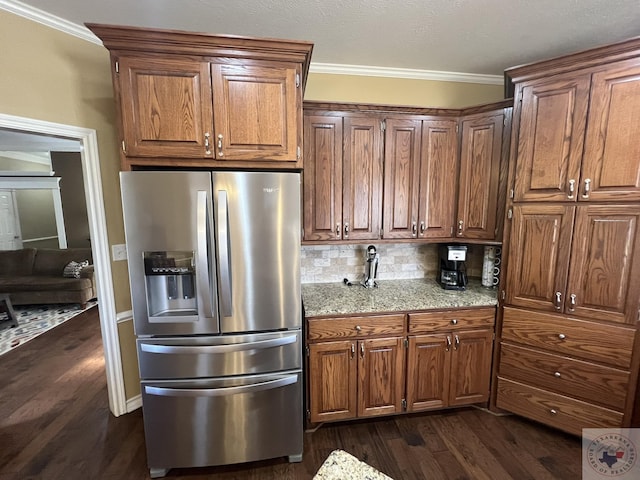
x=539, y=255
x=332, y=381
x=380, y=376
x=481, y=153
x=401, y=178
x=550, y=139
x=428, y=367
x=438, y=178
x=322, y=177
x=362, y=178
x=166, y=107
x=604, y=278
x=257, y=112
x=470, y=367
x=611, y=162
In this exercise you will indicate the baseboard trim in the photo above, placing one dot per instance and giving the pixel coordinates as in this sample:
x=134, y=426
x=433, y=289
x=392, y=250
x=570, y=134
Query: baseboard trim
x=134, y=403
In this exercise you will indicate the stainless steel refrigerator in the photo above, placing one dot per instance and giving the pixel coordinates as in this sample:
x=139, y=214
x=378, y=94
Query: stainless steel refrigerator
x=214, y=267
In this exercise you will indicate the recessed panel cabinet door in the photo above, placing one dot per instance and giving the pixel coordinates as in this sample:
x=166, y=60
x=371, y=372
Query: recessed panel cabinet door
x=332, y=381
x=479, y=176
x=428, y=367
x=611, y=163
x=604, y=279
x=553, y=116
x=470, y=367
x=322, y=177
x=362, y=178
x=537, y=271
x=438, y=178
x=166, y=107
x=401, y=178
x=380, y=376
x=255, y=112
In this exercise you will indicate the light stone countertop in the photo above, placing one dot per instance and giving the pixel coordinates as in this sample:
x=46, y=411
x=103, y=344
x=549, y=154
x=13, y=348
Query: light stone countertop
x=322, y=299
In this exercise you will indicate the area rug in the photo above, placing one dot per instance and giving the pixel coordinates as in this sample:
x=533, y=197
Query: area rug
x=341, y=465
x=34, y=320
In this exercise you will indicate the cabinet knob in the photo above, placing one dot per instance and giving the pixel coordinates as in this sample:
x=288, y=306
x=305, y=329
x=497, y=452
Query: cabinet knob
x=557, y=374
x=454, y=321
x=358, y=328
x=562, y=336
x=553, y=411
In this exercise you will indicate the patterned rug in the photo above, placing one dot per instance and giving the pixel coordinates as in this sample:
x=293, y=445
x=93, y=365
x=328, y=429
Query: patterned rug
x=34, y=320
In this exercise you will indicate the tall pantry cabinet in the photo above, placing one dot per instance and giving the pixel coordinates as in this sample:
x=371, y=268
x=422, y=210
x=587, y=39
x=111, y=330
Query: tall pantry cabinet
x=572, y=241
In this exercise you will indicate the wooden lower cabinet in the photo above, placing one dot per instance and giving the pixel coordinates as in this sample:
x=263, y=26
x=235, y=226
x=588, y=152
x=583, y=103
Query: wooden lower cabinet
x=448, y=369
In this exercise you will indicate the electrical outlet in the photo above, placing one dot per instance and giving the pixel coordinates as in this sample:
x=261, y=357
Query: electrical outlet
x=119, y=252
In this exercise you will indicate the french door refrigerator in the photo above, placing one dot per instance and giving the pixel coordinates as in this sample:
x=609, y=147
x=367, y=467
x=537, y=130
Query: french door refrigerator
x=214, y=268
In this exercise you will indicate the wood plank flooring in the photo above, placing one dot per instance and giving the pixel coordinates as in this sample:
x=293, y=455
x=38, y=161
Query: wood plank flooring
x=55, y=424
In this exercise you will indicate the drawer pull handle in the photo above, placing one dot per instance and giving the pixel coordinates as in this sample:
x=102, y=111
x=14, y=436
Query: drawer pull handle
x=358, y=328
x=557, y=375
x=553, y=411
x=454, y=321
x=562, y=336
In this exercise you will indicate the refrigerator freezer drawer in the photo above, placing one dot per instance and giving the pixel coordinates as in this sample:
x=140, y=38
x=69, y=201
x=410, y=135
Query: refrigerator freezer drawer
x=196, y=423
x=200, y=357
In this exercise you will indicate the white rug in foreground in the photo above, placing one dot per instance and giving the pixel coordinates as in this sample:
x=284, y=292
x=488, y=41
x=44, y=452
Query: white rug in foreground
x=341, y=465
x=34, y=320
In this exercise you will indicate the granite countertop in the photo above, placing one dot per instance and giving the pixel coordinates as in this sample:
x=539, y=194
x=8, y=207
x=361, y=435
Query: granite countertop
x=391, y=296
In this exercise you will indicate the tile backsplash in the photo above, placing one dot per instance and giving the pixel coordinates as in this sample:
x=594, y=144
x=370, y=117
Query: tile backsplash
x=332, y=263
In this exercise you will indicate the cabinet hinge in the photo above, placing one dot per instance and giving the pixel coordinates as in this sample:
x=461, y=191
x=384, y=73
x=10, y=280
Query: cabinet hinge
x=383, y=125
x=511, y=193
x=404, y=404
x=520, y=97
x=124, y=147
x=117, y=66
x=406, y=343
x=297, y=80
x=298, y=153
x=510, y=214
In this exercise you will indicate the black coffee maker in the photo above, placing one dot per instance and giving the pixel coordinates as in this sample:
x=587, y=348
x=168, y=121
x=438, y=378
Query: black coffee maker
x=452, y=273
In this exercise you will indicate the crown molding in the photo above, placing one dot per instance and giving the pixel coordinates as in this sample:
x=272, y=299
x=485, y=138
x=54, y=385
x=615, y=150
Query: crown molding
x=44, y=18
x=84, y=33
x=409, y=73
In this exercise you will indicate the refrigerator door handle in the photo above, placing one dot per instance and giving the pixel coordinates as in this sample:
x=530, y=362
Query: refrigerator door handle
x=203, y=274
x=222, y=391
x=224, y=255
x=233, y=347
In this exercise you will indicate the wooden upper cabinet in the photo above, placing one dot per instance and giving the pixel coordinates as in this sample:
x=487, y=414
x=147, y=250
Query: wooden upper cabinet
x=165, y=106
x=257, y=114
x=604, y=278
x=480, y=161
x=538, y=266
x=611, y=164
x=553, y=116
x=322, y=177
x=401, y=177
x=362, y=178
x=438, y=178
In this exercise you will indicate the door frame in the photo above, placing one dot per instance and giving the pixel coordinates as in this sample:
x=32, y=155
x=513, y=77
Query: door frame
x=99, y=243
x=16, y=215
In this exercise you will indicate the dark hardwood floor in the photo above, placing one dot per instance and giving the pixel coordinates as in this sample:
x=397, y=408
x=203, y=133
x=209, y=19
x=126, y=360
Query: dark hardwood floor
x=55, y=424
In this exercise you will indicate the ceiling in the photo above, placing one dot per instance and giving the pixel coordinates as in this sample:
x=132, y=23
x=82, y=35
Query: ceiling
x=481, y=37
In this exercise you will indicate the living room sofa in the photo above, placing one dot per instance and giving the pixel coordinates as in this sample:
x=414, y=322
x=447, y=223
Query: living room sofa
x=37, y=276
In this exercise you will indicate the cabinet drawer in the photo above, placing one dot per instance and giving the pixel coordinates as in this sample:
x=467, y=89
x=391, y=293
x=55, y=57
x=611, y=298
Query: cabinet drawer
x=351, y=327
x=426, y=322
x=592, y=341
x=584, y=380
x=553, y=409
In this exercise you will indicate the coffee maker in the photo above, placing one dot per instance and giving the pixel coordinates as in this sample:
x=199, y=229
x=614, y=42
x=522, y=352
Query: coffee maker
x=452, y=272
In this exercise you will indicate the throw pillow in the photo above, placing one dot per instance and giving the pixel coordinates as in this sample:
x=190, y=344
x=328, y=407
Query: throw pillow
x=72, y=269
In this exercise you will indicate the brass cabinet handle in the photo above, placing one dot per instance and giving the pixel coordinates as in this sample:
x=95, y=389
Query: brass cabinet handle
x=346, y=230
x=220, y=145
x=353, y=350
x=572, y=189
x=422, y=227
x=572, y=302
x=338, y=230
x=448, y=343
x=587, y=188
x=460, y=224
x=362, y=350
x=558, y=302
x=414, y=228
x=457, y=343
x=207, y=146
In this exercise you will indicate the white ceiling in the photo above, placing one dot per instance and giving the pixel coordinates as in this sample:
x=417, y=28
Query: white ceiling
x=465, y=36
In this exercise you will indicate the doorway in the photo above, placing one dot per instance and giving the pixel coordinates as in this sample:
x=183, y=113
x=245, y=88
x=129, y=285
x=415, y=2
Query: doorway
x=87, y=140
